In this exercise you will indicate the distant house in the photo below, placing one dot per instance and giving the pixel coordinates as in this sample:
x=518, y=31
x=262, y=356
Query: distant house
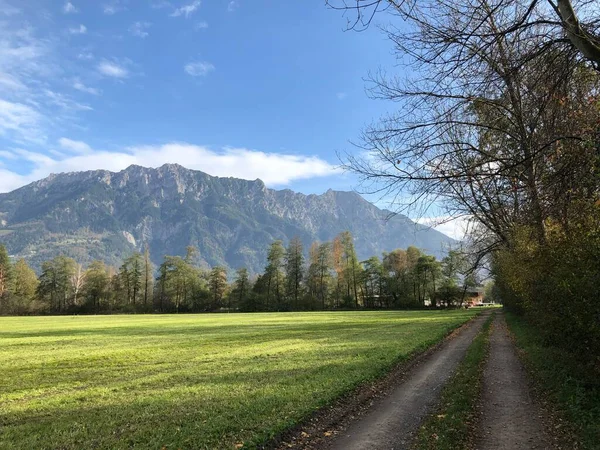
x=474, y=296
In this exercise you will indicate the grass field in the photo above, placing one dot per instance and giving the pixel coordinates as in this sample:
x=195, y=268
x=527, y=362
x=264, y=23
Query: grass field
x=190, y=381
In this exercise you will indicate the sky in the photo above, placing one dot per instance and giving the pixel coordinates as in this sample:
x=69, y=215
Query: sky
x=250, y=89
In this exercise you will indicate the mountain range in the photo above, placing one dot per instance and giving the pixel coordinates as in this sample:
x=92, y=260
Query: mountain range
x=106, y=215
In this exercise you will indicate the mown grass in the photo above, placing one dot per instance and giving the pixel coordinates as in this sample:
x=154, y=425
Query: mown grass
x=191, y=381
x=450, y=426
x=572, y=389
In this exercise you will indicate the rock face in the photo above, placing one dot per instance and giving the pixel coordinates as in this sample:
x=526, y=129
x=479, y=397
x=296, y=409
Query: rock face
x=105, y=215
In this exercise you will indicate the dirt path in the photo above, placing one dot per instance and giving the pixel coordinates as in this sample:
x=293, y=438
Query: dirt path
x=392, y=422
x=510, y=419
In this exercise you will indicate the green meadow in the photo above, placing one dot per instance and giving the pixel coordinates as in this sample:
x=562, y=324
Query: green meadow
x=191, y=381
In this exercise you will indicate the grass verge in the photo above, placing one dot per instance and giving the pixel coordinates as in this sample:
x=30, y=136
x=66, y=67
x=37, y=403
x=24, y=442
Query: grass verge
x=571, y=389
x=449, y=427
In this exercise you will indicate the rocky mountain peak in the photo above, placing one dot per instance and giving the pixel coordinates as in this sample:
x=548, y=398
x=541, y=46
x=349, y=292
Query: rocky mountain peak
x=106, y=215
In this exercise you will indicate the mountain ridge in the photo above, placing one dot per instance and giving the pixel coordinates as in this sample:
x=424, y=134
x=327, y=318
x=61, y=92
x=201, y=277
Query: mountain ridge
x=99, y=214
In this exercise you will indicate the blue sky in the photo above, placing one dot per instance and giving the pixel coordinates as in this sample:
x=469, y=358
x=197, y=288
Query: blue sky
x=251, y=89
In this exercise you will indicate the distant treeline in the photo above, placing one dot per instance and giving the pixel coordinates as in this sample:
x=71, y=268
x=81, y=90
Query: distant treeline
x=332, y=278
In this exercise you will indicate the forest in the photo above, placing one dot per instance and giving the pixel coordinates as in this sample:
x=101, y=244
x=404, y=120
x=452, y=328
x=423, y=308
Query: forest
x=331, y=278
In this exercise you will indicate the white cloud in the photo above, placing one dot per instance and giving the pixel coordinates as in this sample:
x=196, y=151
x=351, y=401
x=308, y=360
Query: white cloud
x=112, y=8
x=19, y=121
x=232, y=6
x=275, y=169
x=75, y=146
x=186, y=10
x=64, y=101
x=201, y=25
x=160, y=4
x=112, y=69
x=81, y=29
x=341, y=95
x=455, y=228
x=198, y=68
x=7, y=155
x=8, y=10
x=83, y=88
x=139, y=29
x=11, y=83
x=32, y=77
x=85, y=56
x=69, y=8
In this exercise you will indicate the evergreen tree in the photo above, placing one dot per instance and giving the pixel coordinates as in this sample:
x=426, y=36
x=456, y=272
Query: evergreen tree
x=55, y=287
x=241, y=287
x=274, y=274
x=25, y=285
x=294, y=266
x=148, y=269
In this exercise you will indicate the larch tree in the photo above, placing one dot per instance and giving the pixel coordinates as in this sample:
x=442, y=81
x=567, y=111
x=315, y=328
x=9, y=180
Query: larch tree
x=97, y=285
x=294, y=270
x=218, y=286
x=5, y=272
x=274, y=274
x=352, y=269
x=148, y=279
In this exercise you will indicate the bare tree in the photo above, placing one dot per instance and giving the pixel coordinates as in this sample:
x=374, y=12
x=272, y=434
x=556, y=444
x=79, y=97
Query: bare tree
x=77, y=282
x=560, y=18
x=487, y=112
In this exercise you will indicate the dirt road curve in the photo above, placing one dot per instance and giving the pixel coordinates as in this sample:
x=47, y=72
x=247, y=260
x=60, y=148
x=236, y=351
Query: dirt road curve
x=393, y=421
x=510, y=419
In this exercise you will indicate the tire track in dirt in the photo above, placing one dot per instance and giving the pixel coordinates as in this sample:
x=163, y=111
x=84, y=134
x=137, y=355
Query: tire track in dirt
x=393, y=421
x=510, y=419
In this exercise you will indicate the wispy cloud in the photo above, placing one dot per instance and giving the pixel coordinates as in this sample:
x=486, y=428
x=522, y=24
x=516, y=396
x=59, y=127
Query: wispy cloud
x=160, y=4
x=8, y=10
x=9, y=83
x=65, y=102
x=198, y=68
x=456, y=228
x=112, y=8
x=139, y=29
x=112, y=69
x=20, y=122
x=33, y=78
x=77, y=84
x=81, y=29
x=85, y=56
x=72, y=146
x=8, y=155
x=69, y=8
x=232, y=5
x=275, y=169
x=186, y=10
